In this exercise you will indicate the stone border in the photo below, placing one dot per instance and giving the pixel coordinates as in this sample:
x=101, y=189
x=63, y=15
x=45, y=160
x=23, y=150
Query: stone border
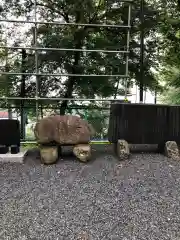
x=12, y=158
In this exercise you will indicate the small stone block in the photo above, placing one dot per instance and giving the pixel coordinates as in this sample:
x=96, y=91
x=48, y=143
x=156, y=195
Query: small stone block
x=123, y=151
x=12, y=158
x=82, y=152
x=49, y=155
x=83, y=236
x=171, y=150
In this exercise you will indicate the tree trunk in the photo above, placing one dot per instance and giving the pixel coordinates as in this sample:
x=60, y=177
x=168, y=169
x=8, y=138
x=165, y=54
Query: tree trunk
x=71, y=81
x=41, y=107
x=78, y=39
x=68, y=94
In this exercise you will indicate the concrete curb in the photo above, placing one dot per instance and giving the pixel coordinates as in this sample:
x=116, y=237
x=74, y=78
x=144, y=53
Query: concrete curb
x=12, y=158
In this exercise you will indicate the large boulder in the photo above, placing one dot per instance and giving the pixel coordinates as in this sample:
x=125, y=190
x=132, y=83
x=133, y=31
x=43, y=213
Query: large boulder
x=63, y=130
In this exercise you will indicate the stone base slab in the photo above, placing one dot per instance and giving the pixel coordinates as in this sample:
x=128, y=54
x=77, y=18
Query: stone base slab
x=12, y=158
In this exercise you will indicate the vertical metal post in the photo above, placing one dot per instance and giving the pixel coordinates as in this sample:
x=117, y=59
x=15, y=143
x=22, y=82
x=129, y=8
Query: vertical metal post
x=136, y=93
x=155, y=97
x=145, y=92
x=141, y=85
x=7, y=77
x=117, y=87
x=127, y=48
x=36, y=59
x=7, y=81
x=22, y=94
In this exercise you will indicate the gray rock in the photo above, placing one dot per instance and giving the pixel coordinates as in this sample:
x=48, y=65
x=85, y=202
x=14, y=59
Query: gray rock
x=82, y=152
x=171, y=150
x=123, y=151
x=49, y=155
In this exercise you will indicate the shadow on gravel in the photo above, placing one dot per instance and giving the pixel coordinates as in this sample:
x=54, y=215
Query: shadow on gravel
x=32, y=156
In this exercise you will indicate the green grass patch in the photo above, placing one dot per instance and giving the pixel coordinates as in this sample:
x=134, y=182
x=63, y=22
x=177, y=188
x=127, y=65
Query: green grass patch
x=30, y=145
x=27, y=146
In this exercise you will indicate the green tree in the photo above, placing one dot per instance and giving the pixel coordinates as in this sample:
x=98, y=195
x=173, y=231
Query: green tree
x=87, y=37
x=170, y=47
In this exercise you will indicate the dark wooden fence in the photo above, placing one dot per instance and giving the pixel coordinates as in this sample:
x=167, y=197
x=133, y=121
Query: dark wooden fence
x=144, y=123
x=9, y=135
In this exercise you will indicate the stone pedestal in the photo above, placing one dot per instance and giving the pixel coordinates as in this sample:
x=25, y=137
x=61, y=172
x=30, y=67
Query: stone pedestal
x=171, y=150
x=122, y=150
x=49, y=154
x=82, y=152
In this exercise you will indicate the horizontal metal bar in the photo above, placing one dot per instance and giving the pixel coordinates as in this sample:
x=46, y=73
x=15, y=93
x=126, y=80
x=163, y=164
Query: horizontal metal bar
x=57, y=108
x=66, y=24
x=91, y=142
x=28, y=142
x=66, y=49
x=100, y=142
x=62, y=74
x=60, y=99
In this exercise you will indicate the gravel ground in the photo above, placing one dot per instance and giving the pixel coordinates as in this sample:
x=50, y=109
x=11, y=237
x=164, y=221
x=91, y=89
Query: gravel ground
x=104, y=199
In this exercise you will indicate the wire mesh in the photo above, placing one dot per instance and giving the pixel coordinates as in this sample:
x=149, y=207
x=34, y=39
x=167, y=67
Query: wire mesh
x=37, y=49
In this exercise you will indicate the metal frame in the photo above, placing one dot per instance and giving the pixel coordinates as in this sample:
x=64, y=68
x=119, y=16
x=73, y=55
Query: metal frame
x=141, y=85
x=62, y=74
x=67, y=24
x=61, y=99
x=36, y=58
x=65, y=49
x=127, y=47
x=36, y=48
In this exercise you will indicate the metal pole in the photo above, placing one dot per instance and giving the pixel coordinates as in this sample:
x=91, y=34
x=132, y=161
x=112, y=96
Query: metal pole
x=127, y=49
x=7, y=82
x=155, y=97
x=141, y=85
x=70, y=107
x=64, y=23
x=7, y=79
x=145, y=92
x=22, y=94
x=62, y=74
x=66, y=49
x=136, y=93
x=36, y=59
x=60, y=99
